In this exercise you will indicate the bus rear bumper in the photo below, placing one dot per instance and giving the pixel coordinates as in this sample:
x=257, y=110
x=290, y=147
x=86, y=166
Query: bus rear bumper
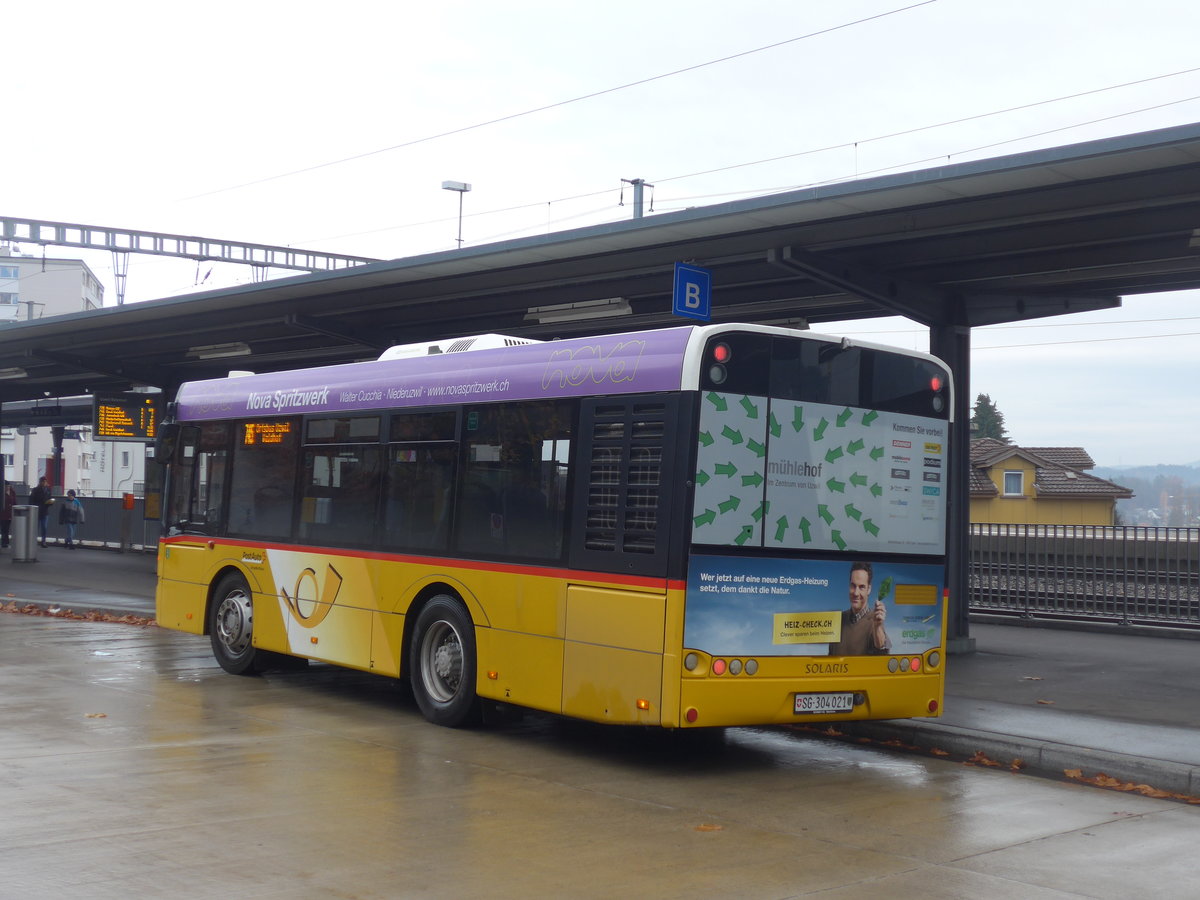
x=731, y=700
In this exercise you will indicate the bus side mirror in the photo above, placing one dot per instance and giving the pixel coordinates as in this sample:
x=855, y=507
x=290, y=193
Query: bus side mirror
x=166, y=443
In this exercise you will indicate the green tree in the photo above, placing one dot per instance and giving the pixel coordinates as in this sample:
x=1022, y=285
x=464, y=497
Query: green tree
x=987, y=420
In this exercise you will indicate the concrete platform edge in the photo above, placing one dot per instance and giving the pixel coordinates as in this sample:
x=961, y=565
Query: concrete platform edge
x=1048, y=759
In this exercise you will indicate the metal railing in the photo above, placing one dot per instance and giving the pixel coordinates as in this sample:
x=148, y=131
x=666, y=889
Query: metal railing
x=1133, y=575
x=108, y=524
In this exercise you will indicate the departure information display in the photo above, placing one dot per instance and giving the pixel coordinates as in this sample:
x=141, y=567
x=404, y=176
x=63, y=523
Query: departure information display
x=125, y=417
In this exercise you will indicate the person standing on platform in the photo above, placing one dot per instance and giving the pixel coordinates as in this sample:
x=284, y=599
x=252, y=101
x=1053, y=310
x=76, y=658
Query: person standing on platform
x=71, y=515
x=6, y=513
x=42, y=497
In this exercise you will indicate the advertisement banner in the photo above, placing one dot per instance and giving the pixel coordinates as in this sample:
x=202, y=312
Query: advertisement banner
x=812, y=476
x=787, y=607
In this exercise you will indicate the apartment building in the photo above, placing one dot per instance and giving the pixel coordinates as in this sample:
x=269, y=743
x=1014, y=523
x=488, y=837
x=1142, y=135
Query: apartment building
x=35, y=287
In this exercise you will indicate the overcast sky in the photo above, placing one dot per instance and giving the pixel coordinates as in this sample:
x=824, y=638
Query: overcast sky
x=332, y=127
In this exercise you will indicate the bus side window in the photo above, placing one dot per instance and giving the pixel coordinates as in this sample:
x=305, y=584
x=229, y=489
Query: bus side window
x=512, y=500
x=341, y=488
x=264, y=478
x=416, y=509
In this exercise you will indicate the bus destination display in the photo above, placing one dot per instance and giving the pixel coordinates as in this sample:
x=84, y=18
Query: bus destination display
x=265, y=432
x=126, y=417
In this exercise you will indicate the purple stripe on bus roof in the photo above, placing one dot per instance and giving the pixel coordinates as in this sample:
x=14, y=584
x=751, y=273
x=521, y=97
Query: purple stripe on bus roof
x=606, y=364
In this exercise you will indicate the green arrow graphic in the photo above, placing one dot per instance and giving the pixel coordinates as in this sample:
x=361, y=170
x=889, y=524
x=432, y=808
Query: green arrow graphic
x=877, y=453
x=798, y=419
x=853, y=511
x=804, y=525
x=759, y=450
x=705, y=439
x=834, y=454
x=717, y=401
x=876, y=491
x=869, y=417
x=836, y=537
x=752, y=480
x=870, y=526
x=824, y=513
x=855, y=445
x=702, y=478
x=819, y=431
x=747, y=533
x=858, y=480
x=729, y=505
x=844, y=417
x=781, y=527
x=750, y=407
x=838, y=487
x=733, y=435
x=706, y=518
x=726, y=469
x=776, y=428
x=763, y=508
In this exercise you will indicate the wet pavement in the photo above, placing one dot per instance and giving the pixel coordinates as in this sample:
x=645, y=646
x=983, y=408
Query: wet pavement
x=1043, y=700
x=133, y=766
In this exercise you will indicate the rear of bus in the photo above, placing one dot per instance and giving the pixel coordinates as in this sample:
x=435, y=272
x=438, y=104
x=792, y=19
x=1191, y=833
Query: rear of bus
x=816, y=568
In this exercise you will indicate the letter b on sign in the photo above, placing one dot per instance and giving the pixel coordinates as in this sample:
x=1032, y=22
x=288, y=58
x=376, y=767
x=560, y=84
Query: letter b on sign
x=692, y=296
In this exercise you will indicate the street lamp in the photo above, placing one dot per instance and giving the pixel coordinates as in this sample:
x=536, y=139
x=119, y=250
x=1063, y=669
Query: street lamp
x=461, y=187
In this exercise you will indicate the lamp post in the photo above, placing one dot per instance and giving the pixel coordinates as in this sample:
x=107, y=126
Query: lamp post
x=461, y=187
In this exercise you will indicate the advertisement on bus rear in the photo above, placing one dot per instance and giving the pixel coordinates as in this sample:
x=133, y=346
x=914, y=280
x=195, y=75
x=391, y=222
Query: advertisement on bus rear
x=789, y=474
x=779, y=607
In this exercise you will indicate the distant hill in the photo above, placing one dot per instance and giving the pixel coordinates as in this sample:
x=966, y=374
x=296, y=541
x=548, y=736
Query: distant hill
x=1190, y=474
x=1162, y=495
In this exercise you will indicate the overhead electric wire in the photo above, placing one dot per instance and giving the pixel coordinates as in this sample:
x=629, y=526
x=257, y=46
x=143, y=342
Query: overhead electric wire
x=561, y=103
x=663, y=204
x=1130, y=337
x=908, y=131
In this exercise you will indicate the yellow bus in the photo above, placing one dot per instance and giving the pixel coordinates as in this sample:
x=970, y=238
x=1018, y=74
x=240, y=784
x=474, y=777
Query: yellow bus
x=698, y=526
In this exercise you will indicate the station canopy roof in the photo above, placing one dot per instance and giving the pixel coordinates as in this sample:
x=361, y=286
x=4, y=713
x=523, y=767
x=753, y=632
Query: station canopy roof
x=1017, y=237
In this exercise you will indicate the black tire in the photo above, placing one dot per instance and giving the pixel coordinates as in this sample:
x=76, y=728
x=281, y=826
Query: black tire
x=443, y=664
x=231, y=625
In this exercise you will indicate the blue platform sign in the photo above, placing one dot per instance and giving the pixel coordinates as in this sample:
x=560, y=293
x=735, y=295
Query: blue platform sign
x=692, y=296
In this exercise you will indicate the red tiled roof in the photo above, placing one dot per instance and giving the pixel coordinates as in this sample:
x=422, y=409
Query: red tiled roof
x=1071, y=457
x=1054, y=476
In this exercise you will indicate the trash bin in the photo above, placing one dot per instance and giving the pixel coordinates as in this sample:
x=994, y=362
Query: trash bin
x=24, y=533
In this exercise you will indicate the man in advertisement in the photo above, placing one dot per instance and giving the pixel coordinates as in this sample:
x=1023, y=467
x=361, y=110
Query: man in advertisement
x=862, y=626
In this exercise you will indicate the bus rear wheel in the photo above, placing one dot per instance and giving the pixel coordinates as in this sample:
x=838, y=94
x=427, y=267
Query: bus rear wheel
x=231, y=625
x=444, y=663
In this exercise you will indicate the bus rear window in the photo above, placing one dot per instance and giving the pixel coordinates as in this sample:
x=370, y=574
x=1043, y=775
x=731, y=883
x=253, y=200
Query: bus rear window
x=820, y=371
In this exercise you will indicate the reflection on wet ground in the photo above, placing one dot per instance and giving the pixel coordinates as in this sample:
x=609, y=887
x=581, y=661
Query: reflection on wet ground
x=134, y=765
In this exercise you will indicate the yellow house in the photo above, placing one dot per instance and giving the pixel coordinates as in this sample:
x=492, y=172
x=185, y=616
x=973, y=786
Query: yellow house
x=1013, y=485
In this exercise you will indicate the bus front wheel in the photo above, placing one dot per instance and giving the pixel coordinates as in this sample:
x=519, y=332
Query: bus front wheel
x=231, y=625
x=443, y=663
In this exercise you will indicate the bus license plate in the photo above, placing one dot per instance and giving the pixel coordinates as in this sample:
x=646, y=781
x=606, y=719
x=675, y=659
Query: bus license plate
x=823, y=703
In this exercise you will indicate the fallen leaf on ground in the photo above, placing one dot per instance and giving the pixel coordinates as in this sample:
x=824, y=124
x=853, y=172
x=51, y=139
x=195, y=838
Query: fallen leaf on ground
x=707, y=827
x=1114, y=784
x=1046, y=702
x=980, y=759
x=57, y=612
